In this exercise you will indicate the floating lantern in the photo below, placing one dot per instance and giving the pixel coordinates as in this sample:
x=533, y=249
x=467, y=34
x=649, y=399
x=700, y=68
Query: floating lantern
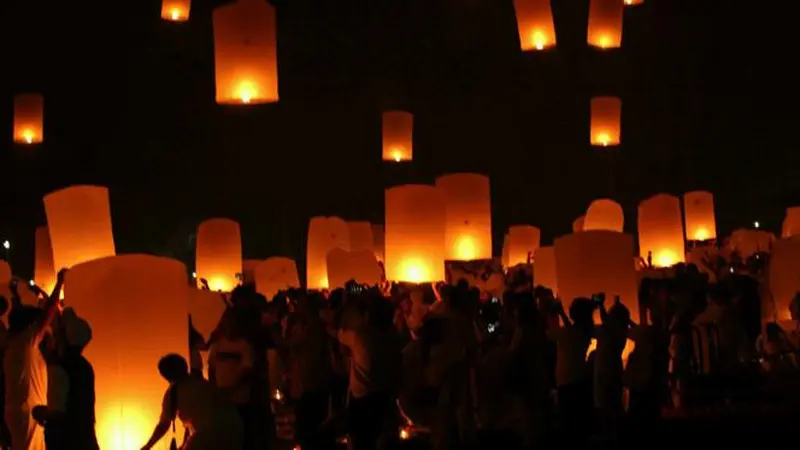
x=275, y=274
x=324, y=235
x=358, y=265
x=605, y=23
x=44, y=271
x=415, y=234
x=544, y=268
x=175, y=10
x=660, y=230
x=604, y=214
x=468, y=215
x=523, y=240
x=535, y=24
x=249, y=270
x=606, y=119
x=219, y=254
x=377, y=235
x=398, y=136
x=783, y=277
x=504, y=257
x=791, y=223
x=245, y=53
x=747, y=242
x=577, y=224
x=148, y=291
x=698, y=210
x=28, y=119
x=206, y=309
x=361, y=237
x=79, y=223
x=633, y=2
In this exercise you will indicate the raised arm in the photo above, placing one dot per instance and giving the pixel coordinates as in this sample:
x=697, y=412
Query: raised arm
x=51, y=306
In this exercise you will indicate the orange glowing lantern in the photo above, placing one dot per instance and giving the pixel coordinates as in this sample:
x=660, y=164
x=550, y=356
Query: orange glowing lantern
x=783, y=276
x=245, y=53
x=535, y=24
x=504, y=257
x=276, y=273
x=791, y=222
x=206, y=309
x=44, y=272
x=415, y=234
x=698, y=209
x=324, y=235
x=377, y=235
x=606, y=121
x=249, y=270
x=577, y=224
x=28, y=119
x=523, y=240
x=747, y=242
x=218, y=257
x=661, y=230
x=175, y=10
x=361, y=237
x=79, y=222
x=148, y=291
x=398, y=136
x=358, y=265
x=633, y=2
x=604, y=214
x=544, y=268
x=468, y=216
x=605, y=23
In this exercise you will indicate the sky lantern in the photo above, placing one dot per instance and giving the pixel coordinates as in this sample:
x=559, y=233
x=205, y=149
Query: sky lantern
x=44, y=271
x=544, y=268
x=535, y=24
x=633, y=2
x=218, y=257
x=604, y=214
x=605, y=23
x=146, y=291
x=245, y=53
x=206, y=308
x=698, y=210
x=377, y=236
x=324, y=235
x=660, y=229
x=747, y=242
x=523, y=240
x=79, y=222
x=361, y=237
x=175, y=10
x=398, y=136
x=783, y=276
x=606, y=121
x=249, y=270
x=358, y=265
x=577, y=224
x=791, y=223
x=415, y=234
x=276, y=273
x=504, y=256
x=468, y=216
x=28, y=119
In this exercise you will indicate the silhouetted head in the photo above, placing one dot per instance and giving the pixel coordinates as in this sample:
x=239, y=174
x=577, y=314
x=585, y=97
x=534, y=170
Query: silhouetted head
x=173, y=368
x=773, y=331
x=21, y=318
x=620, y=315
x=581, y=311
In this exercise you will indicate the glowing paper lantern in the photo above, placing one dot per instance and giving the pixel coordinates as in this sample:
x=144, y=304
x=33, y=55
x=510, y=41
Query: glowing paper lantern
x=44, y=272
x=604, y=214
x=577, y=224
x=523, y=240
x=249, y=270
x=698, y=209
x=79, y=221
x=358, y=265
x=324, y=235
x=218, y=256
x=468, y=216
x=544, y=268
x=145, y=320
x=791, y=223
x=605, y=23
x=361, y=237
x=377, y=234
x=398, y=136
x=415, y=234
x=28, y=119
x=606, y=121
x=276, y=273
x=245, y=53
x=633, y=2
x=783, y=277
x=661, y=230
x=535, y=24
x=505, y=256
x=206, y=308
x=175, y=10
x=749, y=242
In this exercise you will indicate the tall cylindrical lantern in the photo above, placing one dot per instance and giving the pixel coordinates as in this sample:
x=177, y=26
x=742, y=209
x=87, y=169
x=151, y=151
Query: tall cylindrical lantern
x=28, y=118
x=361, y=237
x=523, y=240
x=660, y=230
x=415, y=234
x=245, y=53
x=791, y=222
x=218, y=256
x=175, y=10
x=605, y=23
x=44, y=271
x=606, y=121
x=604, y=214
x=398, y=136
x=468, y=216
x=535, y=24
x=324, y=235
x=79, y=222
x=698, y=210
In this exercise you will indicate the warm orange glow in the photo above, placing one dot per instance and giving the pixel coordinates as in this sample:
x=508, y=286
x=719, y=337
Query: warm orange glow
x=523, y=240
x=577, y=224
x=468, y=216
x=604, y=214
x=324, y=235
x=44, y=272
x=605, y=23
x=605, y=121
x=245, y=52
x=660, y=230
x=218, y=256
x=361, y=237
x=28, y=119
x=783, y=277
x=791, y=222
x=398, y=136
x=544, y=268
x=633, y=2
x=415, y=234
x=404, y=434
x=358, y=265
x=175, y=10
x=377, y=235
x=699, y=218
x=275, y=274
x=535, y=24
x=79, y=222
x=206, y=308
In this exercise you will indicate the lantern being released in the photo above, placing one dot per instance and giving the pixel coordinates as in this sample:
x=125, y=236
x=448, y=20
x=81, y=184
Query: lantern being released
x=28, y=119
x=661, y=230
x=361, y=237
x=44, y=272
x=276, y=273
x=604, y=214
x=468, y=216
x=218, y=257
x=791, y=222
x=544, y=268
x=605, y=23
x=358, y=265
x=523, y=240
x=398, y=136
x=698, y=210
x=415, y=234
x=606, y=121
x=175, y=10
x=324, y=235
x=535, y=24
x=245, y=53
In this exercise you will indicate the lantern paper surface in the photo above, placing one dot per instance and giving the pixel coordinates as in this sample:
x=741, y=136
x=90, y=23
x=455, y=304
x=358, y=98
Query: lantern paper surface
x=361, y=237
x=28, y=118
x=276, y=273
x=206, y=308
x=249, y=270
x=79, y=221
x=544, y=268
x=523, y=240
x=698, y=210
x=604, y=214
x=398, y=136
x=535, y=24
x=606, y=120
x=245, y=52
x=660, y=230
x=218, y=256
x=358, y=265
x=577, y=224
x=377, y=235
x=783, y=277
x=605, y=23
x=791, y=224
x=324, y=235
x=145, y=319
x=175, y=10
x=505, y=257
x=44, y=272
x=468, y=216
x=415, y=234
x=749, y=242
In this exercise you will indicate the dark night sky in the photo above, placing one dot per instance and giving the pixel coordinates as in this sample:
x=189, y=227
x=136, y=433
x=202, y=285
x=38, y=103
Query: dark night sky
x=709, y=102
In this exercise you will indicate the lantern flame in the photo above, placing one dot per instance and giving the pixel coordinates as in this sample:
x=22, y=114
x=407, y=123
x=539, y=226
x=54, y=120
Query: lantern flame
x=404, y=435
x=701, y=234
x=28, y=135
x=415, y=271
x=219, y=284
x=397, y=154
x=246, y=92
x=665, y=258
x=122, y=433
x=176, y=14
x=466, y=248
x=605, y=41
x=538, y=39
x=603, y=139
